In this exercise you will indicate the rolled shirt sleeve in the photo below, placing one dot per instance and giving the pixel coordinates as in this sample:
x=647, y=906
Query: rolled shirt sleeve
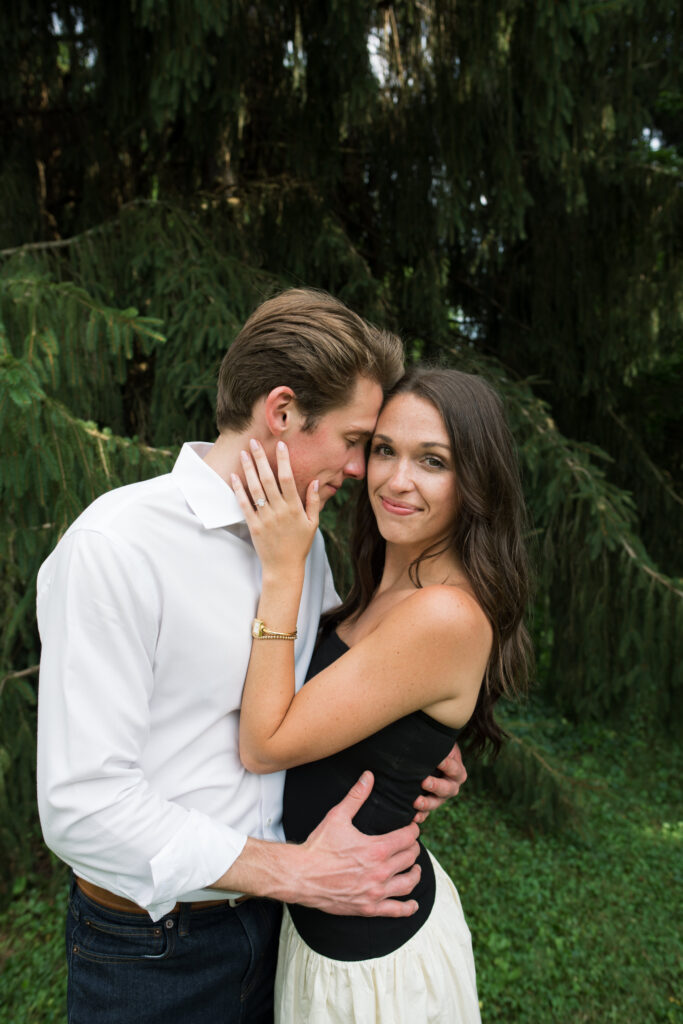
x=99, y=609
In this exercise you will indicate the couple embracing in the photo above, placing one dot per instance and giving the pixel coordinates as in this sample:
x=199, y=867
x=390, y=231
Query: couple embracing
x=179, y=618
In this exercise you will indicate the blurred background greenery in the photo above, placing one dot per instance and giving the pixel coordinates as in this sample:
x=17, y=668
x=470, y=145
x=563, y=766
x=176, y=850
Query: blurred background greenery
x=500, y=182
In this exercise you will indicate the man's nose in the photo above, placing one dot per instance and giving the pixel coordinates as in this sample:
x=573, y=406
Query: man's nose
x=355, y=465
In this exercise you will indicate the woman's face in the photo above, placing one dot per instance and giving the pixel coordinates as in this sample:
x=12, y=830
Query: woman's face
x=411, y=475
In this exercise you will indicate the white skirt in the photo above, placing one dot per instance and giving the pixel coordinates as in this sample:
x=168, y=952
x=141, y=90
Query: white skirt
x=428, y=980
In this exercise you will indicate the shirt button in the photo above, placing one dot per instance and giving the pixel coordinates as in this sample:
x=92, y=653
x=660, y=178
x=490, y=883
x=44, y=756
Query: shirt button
x=268, y=821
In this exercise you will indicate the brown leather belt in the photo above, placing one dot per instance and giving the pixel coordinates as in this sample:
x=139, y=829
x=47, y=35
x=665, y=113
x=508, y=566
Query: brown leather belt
x=111, y=901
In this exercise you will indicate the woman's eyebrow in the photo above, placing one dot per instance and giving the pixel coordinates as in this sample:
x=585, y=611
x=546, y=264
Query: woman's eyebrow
x=423, y=444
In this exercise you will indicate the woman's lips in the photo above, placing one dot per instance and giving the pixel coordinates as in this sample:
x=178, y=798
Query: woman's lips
x=396, y=508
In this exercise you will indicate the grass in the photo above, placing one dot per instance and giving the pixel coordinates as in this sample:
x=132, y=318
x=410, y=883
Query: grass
x=577, y=928
x=32, y=964
x=568, y=928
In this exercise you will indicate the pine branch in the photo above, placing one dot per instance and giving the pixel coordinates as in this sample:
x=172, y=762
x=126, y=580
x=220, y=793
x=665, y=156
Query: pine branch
x=63, y=243
x=18, y=675
x=665, y=581
x=604, y=504
x=658, y=475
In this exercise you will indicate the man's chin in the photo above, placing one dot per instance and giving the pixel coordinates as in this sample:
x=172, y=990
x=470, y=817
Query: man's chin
x=325, y=493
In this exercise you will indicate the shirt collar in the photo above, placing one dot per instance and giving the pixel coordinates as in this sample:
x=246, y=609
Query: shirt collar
x=209, y=497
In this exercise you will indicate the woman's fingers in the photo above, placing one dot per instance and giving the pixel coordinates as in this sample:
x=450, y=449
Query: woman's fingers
x=284, y=473
x=281, y=529
x=253, y=483
x=259, y=475
x=243, y=499
x=280, y=492
x=313, y=503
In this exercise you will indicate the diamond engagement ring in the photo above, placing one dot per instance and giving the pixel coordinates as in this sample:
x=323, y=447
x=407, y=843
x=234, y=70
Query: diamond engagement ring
x=260, y=503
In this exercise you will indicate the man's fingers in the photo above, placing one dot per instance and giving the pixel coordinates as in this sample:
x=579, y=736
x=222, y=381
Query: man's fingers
x=401, y=842
x=442, y=788
x=356, y=796
x=395, y=908
x=404, y=883
x=425, y=805
x=405, y=856
x=453, y=767
x=361, y=875
x=448, y=785
x=383, y=901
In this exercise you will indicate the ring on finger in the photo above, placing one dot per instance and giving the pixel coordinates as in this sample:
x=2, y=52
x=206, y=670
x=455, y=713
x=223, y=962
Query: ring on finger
x=260, y=503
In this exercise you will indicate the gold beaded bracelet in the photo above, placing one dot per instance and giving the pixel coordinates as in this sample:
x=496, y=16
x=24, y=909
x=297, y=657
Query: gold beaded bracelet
x=260, y=631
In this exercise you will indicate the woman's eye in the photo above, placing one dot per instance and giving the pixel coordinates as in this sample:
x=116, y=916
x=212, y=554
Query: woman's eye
x=381, y=449
x=435, y=463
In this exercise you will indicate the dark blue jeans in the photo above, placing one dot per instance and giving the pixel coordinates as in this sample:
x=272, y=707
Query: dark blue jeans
x=213, y=966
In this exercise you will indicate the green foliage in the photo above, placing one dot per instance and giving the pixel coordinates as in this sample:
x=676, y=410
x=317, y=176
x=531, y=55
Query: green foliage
x=527, y=777
x=584, y=927
x=605, y=595
x=55, y=340
x=32, y=964
x=500, y=182
x=17, y=760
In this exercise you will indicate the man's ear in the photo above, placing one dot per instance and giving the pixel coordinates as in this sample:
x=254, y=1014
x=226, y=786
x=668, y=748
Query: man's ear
x=281, y=411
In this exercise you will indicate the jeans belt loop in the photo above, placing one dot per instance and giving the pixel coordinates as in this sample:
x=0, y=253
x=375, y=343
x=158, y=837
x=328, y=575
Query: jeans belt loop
x=184, y=912
x=73, y=903
x=235, y=901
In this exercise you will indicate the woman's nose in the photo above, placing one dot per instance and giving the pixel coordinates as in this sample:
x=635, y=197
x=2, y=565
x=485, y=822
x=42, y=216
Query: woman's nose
x=401, y=479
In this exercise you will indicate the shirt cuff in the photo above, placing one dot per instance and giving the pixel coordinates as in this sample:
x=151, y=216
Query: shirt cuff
x=196, y=857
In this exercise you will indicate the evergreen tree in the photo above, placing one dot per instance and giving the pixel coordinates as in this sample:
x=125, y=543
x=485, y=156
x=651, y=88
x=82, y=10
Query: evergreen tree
x=499, y=181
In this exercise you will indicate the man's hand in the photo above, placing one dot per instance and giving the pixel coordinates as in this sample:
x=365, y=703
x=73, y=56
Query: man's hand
x=348, y=872
x=338, y=869
x=441, y=788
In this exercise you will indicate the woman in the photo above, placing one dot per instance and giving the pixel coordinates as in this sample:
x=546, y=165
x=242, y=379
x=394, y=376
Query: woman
x=429, y=638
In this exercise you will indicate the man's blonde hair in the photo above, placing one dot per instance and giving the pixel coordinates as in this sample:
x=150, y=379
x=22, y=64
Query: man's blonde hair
x=311, y=342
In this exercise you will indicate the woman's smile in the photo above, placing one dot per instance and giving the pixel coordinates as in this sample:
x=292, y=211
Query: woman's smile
x=397, y=508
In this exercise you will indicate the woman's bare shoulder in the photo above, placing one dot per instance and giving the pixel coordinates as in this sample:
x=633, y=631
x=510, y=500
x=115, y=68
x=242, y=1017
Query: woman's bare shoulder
x=442, y=610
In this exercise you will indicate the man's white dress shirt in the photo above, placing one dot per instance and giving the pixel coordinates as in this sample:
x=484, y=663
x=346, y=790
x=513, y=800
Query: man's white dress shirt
x=144, y=611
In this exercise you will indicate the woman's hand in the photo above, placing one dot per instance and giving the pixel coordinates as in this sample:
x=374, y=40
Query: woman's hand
x=281, y=528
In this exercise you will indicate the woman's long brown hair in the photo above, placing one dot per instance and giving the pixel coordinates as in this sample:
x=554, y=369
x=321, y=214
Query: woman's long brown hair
x=487, y=535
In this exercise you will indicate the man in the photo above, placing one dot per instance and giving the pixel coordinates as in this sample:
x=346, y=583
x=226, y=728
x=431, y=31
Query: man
x=145, y=610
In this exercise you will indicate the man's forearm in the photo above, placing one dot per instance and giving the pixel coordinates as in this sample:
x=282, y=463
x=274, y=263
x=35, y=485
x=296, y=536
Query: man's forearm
x=268, y=869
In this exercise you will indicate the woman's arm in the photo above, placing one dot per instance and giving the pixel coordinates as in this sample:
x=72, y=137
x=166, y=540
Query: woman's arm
x=431, y=648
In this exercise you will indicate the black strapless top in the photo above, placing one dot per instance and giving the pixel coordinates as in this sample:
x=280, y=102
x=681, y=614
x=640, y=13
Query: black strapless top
x=401, y=755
